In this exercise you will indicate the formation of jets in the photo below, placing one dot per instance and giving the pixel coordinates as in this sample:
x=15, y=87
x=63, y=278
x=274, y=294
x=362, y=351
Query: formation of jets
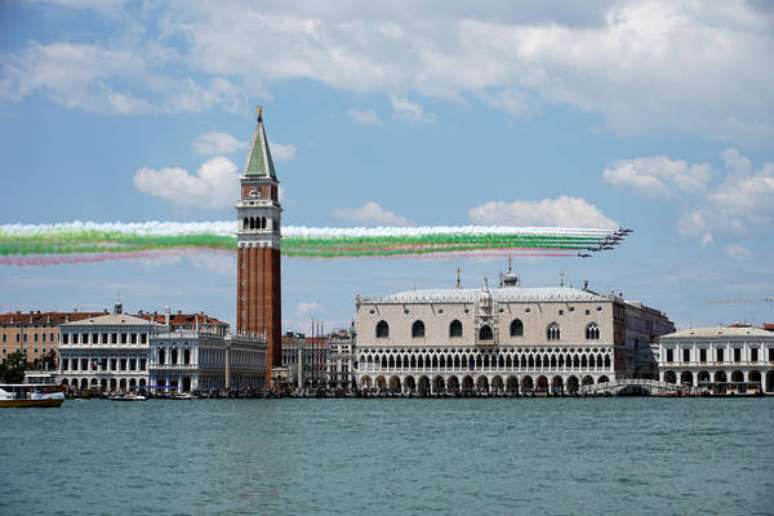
x=608, y=243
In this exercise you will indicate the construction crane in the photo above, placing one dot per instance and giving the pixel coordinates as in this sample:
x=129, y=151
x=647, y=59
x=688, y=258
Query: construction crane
x=741, y=301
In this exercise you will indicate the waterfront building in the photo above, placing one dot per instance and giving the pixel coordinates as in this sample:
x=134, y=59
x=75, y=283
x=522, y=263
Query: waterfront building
x=313, y=359
x=187, y=360
x=108, y=352
x=35, y=334
x=492, y=340
x=259, y=290
x=339, y=360
x=719, y=359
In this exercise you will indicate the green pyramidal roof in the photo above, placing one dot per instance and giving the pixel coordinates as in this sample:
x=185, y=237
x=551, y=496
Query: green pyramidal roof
x=259, y=162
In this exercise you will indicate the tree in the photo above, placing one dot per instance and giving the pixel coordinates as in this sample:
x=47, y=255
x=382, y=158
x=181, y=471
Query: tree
x=14, y=368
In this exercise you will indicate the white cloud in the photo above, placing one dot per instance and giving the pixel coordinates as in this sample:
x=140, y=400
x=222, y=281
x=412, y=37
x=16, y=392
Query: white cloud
x=404, y=108
x=371, y=214
x=123, y=81
x=707, y=239
x=308, y=307
x=563, y=211
x=737, y=251
x=658, y=176
x=643, y=65
x=744, y=198
x=282, y=152
x=215, y=185
x=364, y=116
x=217, y=143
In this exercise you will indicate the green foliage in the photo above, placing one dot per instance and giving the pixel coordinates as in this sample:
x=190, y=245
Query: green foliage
x=13, y=369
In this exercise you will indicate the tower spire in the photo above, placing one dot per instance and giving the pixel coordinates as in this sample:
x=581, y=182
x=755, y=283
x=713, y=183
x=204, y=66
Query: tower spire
x=259, y=162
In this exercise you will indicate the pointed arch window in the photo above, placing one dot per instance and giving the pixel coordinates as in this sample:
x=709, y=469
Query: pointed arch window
x=517, y=328
x=455, y=328
x=382, y=330
x=485, y=333
x=418, y=329
x=592, y=331
x=553, y=332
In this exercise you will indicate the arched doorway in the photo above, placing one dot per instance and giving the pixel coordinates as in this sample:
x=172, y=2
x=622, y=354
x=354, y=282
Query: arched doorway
x=366, y=382
x=410, y=383
x=424, y=386
x=132, y=384
x=587, y=380
x=670, y=377
x=527, y=384
x=497, y=384
x=754, y=379
x=686, y=378
x=737, y=377
x=512, y=385
x=603, y=379
x=113, y=385
x=572, y=385
x=439, y=385
x=770, y=381
x=454, y=385
x=395, y=385
x=703, y=378
x=186, y=383
x=122, y=385
x=482, y=384
x=467, y=385
x=542, y=384
x=720, y=377
x=381, y=383
x=557, y=385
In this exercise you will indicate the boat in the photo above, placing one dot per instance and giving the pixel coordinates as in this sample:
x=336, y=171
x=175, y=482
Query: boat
x=30, y=396
x=183, y=396
x=127, y=397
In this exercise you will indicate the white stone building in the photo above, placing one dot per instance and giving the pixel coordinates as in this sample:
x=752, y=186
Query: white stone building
x=509, y=339
x=107, y=353
x=719, y=359
x=190, y=360
x=339, y=358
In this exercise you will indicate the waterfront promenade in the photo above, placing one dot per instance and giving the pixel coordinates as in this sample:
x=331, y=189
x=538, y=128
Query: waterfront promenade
x=558, y=456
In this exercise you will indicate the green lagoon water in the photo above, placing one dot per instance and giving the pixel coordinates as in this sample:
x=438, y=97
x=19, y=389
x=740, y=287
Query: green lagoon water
x=392, y=456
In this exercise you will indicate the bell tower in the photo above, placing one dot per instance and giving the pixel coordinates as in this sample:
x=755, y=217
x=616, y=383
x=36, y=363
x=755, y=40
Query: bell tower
x=259, y=291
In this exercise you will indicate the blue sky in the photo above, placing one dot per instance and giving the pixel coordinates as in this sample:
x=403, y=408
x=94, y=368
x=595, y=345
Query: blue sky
x=652, y=115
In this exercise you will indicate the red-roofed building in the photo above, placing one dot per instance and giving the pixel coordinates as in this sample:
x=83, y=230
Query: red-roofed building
x=36, y=333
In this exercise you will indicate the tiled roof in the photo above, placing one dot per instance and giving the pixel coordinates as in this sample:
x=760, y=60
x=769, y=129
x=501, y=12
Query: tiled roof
x=470, y=295
x=44, y=318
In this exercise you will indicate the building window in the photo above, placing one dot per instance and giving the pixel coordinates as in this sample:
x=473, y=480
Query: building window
x=133, y=340
x=105, y=338
x=702, y=355
x=455, y=329
x=670, y=355
x=75, y=338
x=65, y=364
x=114, y=338
x=737, y=355
x=517, y=328
x=592, y=331
x=35, y=337
x=753, y=354
x=143, y=338
x=123, y=364
x=65, y=338
x=485, y=333
x=123, y=338
x=771, y=354
x=418, y=329
x=382, y=330
x=113, y=364
x=553, y=332
x=720, y=355
x=5, y=337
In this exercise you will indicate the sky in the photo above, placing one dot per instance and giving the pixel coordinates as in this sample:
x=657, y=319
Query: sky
x=655, y=116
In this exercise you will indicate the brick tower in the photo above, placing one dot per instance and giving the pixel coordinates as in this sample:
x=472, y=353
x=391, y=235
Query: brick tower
x=259, y=294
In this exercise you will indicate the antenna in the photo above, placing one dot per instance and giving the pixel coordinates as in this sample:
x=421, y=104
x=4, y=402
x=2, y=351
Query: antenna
x=459, y=277
x=561, y=279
